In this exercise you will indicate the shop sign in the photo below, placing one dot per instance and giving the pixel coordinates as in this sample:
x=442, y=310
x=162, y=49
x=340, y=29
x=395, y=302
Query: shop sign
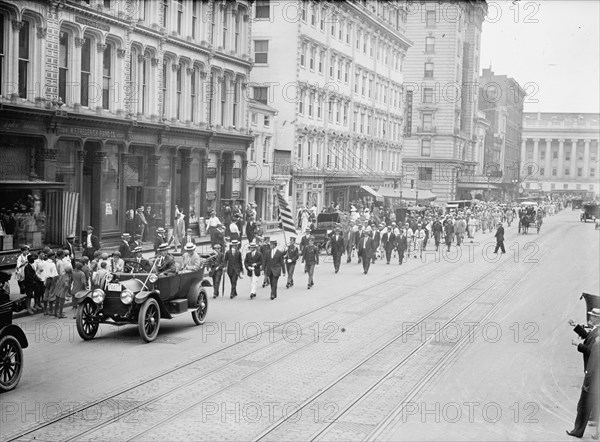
x=211, y=195
x=19, y=125
x=235, y=194
x=143, y=138
x=90, y=132
x=178, y=141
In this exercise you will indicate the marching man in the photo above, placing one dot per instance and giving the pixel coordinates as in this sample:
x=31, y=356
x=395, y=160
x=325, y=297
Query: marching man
x=252, y=262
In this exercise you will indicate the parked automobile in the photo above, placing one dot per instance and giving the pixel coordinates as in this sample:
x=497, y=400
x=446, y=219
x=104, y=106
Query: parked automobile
x=590, y=211
x=12, y=343
x=143, y=298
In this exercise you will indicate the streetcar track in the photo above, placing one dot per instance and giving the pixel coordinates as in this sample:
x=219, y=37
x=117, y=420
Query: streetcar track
x=322, y=391
x=421, y=382
x=22, y=433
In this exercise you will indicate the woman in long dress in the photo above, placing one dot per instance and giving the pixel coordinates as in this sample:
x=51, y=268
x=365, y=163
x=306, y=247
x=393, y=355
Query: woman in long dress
x=305, y=220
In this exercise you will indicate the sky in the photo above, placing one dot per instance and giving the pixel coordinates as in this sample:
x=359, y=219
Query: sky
x=550, y=47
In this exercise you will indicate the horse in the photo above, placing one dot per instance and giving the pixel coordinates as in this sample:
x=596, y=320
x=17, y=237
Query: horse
x=524, y=223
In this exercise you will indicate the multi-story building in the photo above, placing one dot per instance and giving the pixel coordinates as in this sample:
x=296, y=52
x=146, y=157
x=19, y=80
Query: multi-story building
x=440, y=79
x=264, y=175
x=114, y=105
x=501, y=101
x=333, y=71
x=560, y=154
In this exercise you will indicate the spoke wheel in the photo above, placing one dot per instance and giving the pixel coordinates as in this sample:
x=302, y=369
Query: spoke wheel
x=149, y=320
x=11, y=355
x=87, y=325
x=199, y=315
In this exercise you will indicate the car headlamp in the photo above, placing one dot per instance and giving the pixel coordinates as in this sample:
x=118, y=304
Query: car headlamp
x=126, y=296
x=98, y=296
x=153, y=278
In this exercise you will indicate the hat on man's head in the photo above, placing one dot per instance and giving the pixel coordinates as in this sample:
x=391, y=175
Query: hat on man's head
x=292, y=239
x=24, y=247
x=71, y=236
x=252, y=245
x=102, y=256
x=306, y=230
x=190, y=246
x=594, y=312
x=160, y=230
x=189, y=230
x=125, y=235
x=217, y=245
x=163, y=247
x=137, y=249
x=273, y=241
x=89, y=228
x=117, y=253
x=235, y=242
x=140, y=209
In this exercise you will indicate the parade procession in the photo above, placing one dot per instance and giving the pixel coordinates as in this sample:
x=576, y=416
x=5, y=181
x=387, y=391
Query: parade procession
x=359, y=220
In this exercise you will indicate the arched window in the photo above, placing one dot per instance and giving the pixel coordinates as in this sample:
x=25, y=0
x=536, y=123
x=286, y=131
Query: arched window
x=25, y=49
x=86, y=71
x=3, y=43
x=64, y=55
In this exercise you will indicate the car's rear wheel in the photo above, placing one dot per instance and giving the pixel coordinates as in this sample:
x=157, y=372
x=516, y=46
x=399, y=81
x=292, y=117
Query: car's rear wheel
x=199, y=315
x=11, y=357
x=149, y=320
x=87, y=326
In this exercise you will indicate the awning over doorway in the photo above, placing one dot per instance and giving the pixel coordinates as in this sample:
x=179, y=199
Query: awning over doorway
x=370, y=190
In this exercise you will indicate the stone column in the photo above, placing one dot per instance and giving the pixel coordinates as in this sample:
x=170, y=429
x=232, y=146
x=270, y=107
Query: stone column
x=203, y=179
x=220, y=170
x=536, y=152
x=98, y=160
x=548, y=164
x=561, y=158
x=185, y=187
x=75, y=88
x=573, y=165
x=16, y=28
x=586, y=159
x=46, y=163
x=523, y=151
x=228, y=177
x=152, y=170
x=243, y=188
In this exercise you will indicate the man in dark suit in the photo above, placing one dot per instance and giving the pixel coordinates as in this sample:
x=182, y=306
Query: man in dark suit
x=140, y=221
x=587, y=407
x=164, y=262
x=366, y=250
x=376, y=241
x=250, y=229
x=274, y=268
x=292, y=254
x=350, y=242
x=304, y=240
x=217, y=269
x=217, y=236
x=389, y=243
x=142, y=264
x=252, y=262
x=124, y=248
x=310, y=258
x=401, y=244
x=91, y=243
x=499, y=239
x=337, y=248
x=589, y=337
x=70, y=248
x=233, y=262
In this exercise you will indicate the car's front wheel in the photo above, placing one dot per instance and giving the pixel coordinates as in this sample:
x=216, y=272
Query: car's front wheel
x=11, y=358
x=149, y=320
x=87, y=326
x=199, y=315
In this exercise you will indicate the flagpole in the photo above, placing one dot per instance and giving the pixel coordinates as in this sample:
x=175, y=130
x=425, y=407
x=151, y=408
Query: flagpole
x=280, y=219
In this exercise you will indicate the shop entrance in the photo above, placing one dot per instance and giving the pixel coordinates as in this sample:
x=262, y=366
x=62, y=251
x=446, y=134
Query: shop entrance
x=90, y=198
x=133, y=200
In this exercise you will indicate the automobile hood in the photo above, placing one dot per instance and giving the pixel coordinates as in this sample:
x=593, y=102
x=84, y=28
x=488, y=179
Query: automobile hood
x=134, y=285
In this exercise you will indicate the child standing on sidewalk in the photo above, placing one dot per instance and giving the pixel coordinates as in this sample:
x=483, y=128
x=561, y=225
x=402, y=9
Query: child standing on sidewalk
x=62, y=289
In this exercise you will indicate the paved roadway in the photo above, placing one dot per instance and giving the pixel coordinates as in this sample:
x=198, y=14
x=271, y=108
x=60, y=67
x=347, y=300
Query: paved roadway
x=424, y=351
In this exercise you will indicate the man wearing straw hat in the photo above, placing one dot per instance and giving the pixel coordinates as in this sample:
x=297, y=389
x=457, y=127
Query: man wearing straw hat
x=91, y=243
x=191, y=260
x=252, y=262
x=124, y=247
x=274, y=267
x=233, y=263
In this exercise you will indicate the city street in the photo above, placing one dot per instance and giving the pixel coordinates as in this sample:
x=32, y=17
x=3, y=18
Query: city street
x=465, y=345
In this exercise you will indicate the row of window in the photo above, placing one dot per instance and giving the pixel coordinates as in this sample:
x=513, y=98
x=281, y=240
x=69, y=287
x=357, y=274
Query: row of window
x=592, y=172
x=567, y=155
x=340, y=155
x=565, y=186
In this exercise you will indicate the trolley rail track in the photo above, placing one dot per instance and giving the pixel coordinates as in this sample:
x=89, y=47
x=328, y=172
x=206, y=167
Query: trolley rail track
x=112, y=397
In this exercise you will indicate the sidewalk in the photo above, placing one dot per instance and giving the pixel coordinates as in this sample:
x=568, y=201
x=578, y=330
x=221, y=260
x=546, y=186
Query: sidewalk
x=202, y=245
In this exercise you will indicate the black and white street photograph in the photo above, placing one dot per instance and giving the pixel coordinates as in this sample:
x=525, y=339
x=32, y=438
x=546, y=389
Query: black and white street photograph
x=299, y=220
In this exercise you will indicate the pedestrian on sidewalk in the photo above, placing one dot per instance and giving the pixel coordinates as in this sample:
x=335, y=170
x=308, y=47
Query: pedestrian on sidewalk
x=292, y=254
x=79, y=283
x=20, y=270
x=51, y=277
x=30, y=281
x=252, y=262
x=310, y=258
x=499, y=239
x=275, y=267
x=62, y=290
x=92, y=244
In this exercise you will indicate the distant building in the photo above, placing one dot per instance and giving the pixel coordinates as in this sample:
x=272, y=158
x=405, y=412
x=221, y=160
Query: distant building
x=560, y=154
x=501, y=101
x=441, y=73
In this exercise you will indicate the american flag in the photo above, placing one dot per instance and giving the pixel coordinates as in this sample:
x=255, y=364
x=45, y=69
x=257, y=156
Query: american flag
x=285, y=214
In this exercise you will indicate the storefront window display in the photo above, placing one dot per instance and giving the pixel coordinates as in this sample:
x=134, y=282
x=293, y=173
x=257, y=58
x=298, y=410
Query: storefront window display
x=109, y=208
x=66, y=164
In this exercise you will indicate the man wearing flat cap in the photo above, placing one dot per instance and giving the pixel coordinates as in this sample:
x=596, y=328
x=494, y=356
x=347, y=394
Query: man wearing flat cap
x=91, y=243
x=292, y=253
x=275, y=267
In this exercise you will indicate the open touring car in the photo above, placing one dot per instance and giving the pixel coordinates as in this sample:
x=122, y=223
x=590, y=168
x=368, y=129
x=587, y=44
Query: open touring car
x=144, y=299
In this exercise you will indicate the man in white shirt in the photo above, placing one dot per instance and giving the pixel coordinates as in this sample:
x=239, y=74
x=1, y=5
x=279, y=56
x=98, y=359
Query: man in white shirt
x=191, y=260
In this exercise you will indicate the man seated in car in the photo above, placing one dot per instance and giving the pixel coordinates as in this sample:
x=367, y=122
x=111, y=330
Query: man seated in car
x=143, y=265
x=164, y=263
x=191, y=260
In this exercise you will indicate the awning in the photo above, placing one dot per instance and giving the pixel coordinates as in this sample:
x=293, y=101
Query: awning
x=389, y=192
x=420, y=194
x=478, y=186
x=426, y=195
x=24, y=184
x=371, y=191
